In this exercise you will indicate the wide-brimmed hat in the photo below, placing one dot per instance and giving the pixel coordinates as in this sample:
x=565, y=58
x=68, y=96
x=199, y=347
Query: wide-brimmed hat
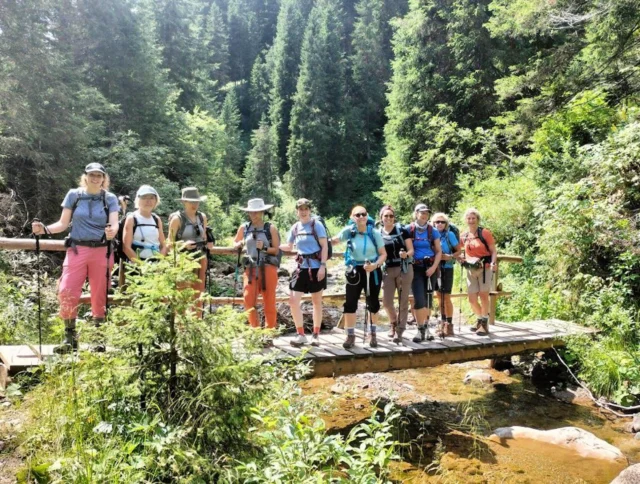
x=421, y=207
x=93, y=167
x=303, y=202
x=191, y=194
x=256, y=205
x=146, y=190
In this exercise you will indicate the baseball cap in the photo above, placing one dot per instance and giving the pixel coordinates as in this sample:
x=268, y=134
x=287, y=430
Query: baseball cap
x=303, y=202
x=146, y=190
x=95, y=167
x=421, y=207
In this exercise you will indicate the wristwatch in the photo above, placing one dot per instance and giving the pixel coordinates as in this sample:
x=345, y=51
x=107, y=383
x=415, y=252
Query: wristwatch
x=323, y=263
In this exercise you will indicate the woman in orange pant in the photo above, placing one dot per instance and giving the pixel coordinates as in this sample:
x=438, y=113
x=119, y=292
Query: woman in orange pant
x=262, y=258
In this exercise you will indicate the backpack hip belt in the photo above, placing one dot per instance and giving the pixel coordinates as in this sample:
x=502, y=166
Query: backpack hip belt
x=426, y=261
x=73, y=243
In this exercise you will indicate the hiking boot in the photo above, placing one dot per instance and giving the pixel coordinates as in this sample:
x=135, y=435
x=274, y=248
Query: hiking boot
x=300, y=340
x=441, y=332
x=315, y=340
x=100, y=347
x=420, y=336
x=70, y=342
x=350, y=342
x=448, y=329
x=373, y=342
x=483, y=330
x=477, y=326
x=398, y=338
x=392, y=330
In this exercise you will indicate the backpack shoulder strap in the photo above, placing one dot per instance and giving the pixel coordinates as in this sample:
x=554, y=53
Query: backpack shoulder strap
x=156, y=219
x=267, y=232
x=482, y=239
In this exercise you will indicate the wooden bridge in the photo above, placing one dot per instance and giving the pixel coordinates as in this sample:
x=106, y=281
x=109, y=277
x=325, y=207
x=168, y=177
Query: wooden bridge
x=504, y=339
x=331, y=359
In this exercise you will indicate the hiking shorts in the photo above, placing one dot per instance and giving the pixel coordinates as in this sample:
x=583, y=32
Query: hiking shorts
x=446, y=280
x=423, y=287
x=476, y=282
x=301, y=281
x=357, y=284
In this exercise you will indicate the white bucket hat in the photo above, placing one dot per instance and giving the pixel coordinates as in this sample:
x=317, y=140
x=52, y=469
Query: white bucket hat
x=146, y=190
x=256, y=205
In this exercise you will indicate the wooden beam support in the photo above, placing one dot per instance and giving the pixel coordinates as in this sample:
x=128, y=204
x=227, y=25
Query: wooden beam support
x=399, y=361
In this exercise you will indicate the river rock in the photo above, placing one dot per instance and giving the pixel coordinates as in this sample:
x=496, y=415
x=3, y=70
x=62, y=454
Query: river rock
x=631, y=475
x=339, y=389
x=477, y=375
x=636, y=422
x=4, y=377
x=571, y=395
x=582, y=442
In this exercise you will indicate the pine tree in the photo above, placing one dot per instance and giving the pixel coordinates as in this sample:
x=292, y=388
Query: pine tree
x=440, y=79
x=233, y=153
x=285, y=62
x=261, y=169
x=316, y=155
x=216, y=47
x=259, y=88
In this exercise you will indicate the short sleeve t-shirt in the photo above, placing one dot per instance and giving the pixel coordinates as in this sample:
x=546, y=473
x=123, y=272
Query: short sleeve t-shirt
x=363, y=247
x=422, y=243
x=473, y=246
x=302, y=236
x=89, y=217
x=448, y=243
x=393, y=242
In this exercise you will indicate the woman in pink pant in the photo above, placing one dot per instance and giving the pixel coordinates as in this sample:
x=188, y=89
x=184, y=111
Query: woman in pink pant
x=92, y=212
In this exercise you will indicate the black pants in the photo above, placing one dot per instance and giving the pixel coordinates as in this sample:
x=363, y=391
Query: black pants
x=356, y=283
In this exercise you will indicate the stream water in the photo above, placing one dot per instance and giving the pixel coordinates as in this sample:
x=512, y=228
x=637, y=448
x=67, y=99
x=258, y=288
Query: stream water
x=443, y=414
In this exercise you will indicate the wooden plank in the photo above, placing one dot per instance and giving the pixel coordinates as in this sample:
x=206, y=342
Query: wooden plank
x=358, y=349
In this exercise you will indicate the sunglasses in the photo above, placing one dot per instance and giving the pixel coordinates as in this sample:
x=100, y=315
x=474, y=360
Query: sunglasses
x=388, y=216
x=440, y=222
x=358, y=215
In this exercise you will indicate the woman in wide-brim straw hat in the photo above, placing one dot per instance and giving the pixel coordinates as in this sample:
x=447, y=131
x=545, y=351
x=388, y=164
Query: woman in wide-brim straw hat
x=189, y=228
x=261, y=242
x=92, y=212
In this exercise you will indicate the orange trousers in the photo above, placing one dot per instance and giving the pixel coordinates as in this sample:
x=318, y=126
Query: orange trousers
x=253, y=286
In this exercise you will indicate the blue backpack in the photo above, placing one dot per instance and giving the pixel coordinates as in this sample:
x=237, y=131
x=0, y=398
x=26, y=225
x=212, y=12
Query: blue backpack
x=348, y=257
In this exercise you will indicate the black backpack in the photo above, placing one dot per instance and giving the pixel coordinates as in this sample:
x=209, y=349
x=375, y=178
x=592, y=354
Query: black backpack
x=274, y=260
x=318, y=219
x=118, y=251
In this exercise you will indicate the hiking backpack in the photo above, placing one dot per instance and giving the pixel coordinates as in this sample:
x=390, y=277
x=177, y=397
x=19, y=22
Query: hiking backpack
x=348, y=258
x=274, y=260
x=118, y=252
x=430, y=238
x=482, y=239
x=318, y=219
x=395, y=238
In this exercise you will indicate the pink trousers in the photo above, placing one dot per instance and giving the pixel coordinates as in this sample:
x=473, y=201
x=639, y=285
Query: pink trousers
x=89, y=262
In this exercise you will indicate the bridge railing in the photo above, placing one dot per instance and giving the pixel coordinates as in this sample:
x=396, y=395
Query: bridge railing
x=51, y=245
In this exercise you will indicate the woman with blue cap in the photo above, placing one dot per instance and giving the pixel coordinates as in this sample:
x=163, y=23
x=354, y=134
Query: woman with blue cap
x=92, y=212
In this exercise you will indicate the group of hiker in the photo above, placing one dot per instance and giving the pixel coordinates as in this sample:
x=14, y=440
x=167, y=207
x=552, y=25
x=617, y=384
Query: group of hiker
x=416, y=258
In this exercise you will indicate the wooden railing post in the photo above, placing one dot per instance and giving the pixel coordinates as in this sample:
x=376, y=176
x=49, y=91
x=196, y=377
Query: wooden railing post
x=493, y=296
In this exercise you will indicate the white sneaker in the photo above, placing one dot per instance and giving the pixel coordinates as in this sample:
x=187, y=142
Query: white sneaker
x=315, y=340
x=300, y=340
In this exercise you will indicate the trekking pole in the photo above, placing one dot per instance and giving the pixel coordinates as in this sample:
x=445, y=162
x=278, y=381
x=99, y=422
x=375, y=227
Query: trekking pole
x=426, y=323
x=235, y=278
x=37, y=237
x=460, y=305
x=108, y=275
x=367, y=311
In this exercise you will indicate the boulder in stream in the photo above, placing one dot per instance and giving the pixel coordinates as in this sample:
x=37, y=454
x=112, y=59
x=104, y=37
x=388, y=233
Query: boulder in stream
x=582, y=442
x=477, y=376
x=631, y=475
x=636, y=422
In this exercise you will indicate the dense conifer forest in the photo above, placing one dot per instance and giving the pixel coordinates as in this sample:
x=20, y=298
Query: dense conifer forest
x=525, y=109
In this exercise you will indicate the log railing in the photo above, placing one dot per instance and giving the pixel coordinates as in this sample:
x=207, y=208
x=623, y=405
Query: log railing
x=58, y=246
